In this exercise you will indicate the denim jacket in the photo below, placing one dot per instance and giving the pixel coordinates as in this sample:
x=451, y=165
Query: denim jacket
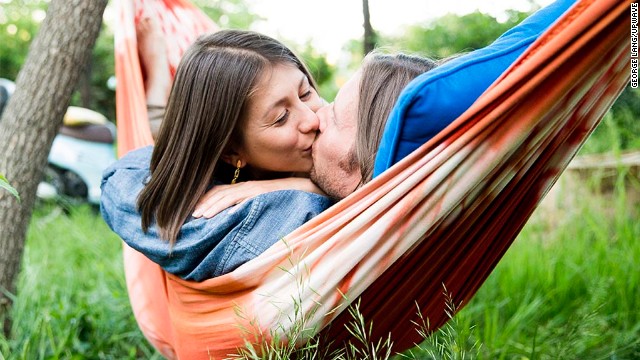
x=205, y=248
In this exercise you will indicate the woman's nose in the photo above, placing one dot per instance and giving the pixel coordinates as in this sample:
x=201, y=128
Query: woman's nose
x=309, y=122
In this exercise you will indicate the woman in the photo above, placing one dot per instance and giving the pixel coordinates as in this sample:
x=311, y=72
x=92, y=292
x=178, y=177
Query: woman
x=242, y=107
x=240, y=101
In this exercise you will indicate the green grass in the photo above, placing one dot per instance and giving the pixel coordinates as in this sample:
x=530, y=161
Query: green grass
x=568, y=288
x=72, y=301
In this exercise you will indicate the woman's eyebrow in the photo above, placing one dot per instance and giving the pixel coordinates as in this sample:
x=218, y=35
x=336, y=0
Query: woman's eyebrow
x=303, y=81
x=282, y=101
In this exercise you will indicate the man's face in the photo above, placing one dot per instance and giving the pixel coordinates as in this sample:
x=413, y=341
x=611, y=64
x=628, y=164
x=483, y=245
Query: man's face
x=335, y=167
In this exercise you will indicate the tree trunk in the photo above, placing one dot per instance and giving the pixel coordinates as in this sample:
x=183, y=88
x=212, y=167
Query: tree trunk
x=32, y=117
x=369, y=34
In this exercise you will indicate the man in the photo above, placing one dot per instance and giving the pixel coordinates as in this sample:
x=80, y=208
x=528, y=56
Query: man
x=351, y=127
x=335, y=167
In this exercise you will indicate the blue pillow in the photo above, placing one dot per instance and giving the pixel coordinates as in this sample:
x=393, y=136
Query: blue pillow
x=436, y=98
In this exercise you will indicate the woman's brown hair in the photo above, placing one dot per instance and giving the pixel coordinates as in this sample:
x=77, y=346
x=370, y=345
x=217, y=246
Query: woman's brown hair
x=384, y=76
x=213, y=84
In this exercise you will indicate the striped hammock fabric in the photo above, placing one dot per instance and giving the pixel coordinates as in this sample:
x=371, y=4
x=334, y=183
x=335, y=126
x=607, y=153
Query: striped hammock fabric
x=445, y=214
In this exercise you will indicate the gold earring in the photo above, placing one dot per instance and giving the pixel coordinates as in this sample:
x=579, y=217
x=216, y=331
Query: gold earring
x=237, y=173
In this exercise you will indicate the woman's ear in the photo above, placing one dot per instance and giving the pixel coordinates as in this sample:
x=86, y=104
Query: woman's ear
x=232, y=158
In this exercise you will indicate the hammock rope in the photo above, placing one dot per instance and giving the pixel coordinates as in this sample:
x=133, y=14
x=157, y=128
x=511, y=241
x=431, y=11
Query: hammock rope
x=445, y=214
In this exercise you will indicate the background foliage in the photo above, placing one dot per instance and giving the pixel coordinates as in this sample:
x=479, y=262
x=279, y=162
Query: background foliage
x=440, y=38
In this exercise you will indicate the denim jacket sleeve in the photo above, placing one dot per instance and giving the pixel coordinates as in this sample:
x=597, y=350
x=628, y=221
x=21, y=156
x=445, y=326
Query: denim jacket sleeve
x=205, y=248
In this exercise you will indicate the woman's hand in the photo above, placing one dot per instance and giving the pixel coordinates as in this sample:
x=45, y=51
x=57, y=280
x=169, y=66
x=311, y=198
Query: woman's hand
x=225, y=196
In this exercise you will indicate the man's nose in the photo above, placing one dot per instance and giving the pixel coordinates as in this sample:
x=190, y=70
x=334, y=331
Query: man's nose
x=322, y=117
x=315, y=105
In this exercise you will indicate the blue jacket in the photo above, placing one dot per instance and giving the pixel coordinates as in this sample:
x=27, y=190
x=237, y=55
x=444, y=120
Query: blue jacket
x=205, y=248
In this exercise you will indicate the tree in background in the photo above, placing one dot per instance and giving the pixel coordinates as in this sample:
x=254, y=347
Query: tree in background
x=32, y=117
x=369, y=40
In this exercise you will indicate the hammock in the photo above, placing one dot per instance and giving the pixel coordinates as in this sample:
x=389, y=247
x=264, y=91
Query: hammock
x=445, y=214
